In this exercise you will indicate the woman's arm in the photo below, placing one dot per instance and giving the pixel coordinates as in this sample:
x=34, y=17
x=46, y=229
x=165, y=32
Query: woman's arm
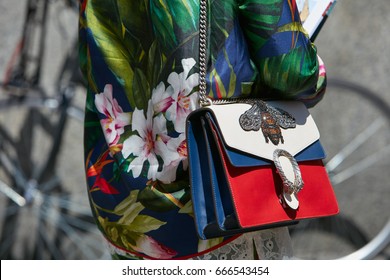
x=286, y=60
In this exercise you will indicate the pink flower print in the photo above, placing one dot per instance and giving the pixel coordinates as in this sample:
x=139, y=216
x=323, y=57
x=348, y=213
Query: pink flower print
x=177, y=151
x=115, y=119
x=181, y=87
x=152, y=248
x=161, y=100
x=148, y=144
x=322, y=69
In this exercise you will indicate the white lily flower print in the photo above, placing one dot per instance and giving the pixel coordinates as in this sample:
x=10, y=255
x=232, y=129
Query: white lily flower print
x=161, y=99
x=148, y=144
x=177, y=148
x=115, y=119
x=181, y=86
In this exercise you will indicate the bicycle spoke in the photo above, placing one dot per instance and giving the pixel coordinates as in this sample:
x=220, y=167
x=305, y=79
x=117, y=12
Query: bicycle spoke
x=352, y=146
x=76, y=113
x=13, y=170
x=11, y=194
x=360, y=166
x=81, y=224
x=56, y=252
x=73, y=236
x=11, y=210
x=50, y=185
x=60, y=204
x=5, y=246
x=66, y=204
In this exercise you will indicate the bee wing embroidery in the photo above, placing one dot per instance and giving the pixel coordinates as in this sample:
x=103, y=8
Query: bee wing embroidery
x=284, y=119
x=251, y=119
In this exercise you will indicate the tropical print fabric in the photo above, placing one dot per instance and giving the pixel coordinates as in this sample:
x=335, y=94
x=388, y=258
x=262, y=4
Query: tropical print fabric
x=140, y=60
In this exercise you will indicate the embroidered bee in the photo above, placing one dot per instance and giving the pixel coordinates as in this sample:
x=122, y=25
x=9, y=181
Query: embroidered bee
x=269, y=119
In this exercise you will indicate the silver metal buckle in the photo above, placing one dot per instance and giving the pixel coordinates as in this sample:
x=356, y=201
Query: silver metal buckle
x=290, y=187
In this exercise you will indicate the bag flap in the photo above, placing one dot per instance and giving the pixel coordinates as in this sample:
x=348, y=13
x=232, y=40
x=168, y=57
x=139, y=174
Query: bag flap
x=295, y=140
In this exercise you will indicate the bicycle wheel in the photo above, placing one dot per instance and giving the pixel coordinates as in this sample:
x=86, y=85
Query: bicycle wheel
x=44, y=211
x=355, y=131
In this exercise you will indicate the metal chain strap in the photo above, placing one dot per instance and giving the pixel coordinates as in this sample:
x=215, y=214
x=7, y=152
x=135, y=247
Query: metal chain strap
x=203, y=52
x=290, y=189
x=203, y=98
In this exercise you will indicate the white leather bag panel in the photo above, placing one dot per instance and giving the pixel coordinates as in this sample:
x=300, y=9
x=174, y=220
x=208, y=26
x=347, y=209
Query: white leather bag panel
x=253, y=142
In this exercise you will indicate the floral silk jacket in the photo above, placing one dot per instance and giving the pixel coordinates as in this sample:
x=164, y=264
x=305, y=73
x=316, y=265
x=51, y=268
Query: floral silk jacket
x=140, y=61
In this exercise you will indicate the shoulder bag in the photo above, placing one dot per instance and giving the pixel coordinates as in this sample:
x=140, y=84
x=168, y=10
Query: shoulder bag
x=253, y=164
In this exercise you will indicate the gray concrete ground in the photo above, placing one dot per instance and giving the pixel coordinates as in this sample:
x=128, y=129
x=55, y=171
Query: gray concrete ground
x=353, y=44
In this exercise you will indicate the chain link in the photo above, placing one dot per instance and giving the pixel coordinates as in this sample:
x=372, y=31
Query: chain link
x=203, y=53
x=203, y=98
